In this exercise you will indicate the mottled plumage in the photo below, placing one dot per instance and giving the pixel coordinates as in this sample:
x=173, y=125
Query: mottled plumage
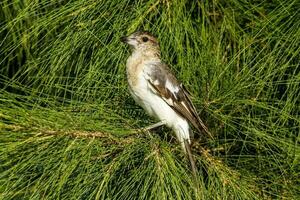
x=173, y=93
x=156, y=89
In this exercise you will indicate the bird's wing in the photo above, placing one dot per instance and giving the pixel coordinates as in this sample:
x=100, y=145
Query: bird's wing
x=164, y=84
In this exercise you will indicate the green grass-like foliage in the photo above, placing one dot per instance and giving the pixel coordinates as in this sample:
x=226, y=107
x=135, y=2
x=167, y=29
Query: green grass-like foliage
x=67, y=121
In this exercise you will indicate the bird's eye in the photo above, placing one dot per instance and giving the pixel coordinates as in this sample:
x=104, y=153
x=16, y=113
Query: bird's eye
x=145, y=39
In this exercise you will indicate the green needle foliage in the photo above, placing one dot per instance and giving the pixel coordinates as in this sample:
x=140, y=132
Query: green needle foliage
x=68, y=126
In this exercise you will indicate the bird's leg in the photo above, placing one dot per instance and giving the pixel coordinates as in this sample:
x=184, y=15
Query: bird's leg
x=153, y=126
x=148, y=128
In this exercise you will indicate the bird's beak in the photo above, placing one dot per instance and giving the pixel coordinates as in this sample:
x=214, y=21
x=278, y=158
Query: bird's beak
x=129, y=40
x=124, y=39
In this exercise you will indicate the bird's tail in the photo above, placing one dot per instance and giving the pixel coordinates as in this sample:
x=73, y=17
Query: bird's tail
x=189, y=154
x=182, y=131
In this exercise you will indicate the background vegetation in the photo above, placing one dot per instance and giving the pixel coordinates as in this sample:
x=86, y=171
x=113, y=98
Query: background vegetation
x=68, y=124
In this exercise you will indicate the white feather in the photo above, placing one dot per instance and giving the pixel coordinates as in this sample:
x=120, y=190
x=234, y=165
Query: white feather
x=171, y=87
x=157, y=107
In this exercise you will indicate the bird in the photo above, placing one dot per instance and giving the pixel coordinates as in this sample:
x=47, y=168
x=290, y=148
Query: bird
x=155, y=88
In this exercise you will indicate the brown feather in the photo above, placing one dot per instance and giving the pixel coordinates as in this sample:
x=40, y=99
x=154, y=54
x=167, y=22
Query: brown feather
x=181, y=102
x=190, y=157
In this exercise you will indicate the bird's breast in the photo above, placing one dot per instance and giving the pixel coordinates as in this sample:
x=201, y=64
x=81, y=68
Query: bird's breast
x=134, y=68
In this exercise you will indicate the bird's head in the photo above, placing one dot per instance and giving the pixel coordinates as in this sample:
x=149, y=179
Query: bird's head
x=141, y=41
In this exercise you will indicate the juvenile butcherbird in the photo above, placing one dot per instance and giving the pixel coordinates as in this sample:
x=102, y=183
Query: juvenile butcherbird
x=156, y=89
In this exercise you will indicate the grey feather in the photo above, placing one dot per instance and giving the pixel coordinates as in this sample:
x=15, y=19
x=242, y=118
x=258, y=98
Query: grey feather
x=164, y=83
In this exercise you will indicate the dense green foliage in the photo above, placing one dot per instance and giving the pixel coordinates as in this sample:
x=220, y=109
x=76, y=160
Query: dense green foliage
x=68, y=124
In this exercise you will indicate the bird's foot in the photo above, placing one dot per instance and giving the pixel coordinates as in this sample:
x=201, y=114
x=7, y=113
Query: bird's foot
x=153, y=126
